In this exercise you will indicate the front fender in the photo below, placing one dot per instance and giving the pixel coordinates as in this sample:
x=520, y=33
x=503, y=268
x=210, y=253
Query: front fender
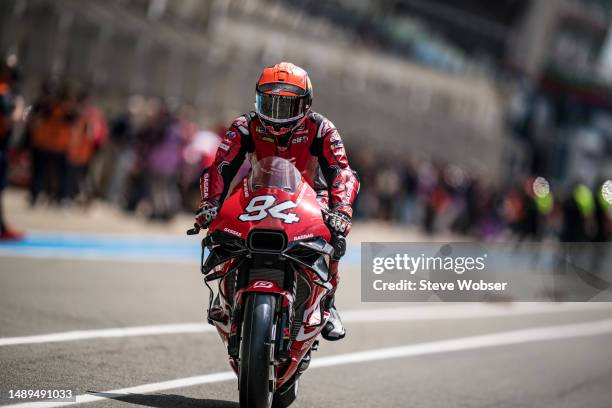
x=264, y=286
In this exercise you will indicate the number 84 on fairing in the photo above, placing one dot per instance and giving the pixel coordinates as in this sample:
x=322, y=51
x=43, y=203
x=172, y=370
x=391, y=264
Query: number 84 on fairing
x=263, y=206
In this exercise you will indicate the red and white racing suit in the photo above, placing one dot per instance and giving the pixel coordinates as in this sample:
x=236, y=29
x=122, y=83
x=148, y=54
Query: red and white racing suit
x=314, y=147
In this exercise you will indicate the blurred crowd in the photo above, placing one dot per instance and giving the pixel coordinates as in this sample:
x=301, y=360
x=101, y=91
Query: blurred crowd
x=154, y=158
x=148, y=160
x=440, y=197
x=63, y=130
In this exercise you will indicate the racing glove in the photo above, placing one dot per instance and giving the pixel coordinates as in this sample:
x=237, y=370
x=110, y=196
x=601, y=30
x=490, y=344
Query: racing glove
x=207, y=213
x=337, y=222
x=339, y=225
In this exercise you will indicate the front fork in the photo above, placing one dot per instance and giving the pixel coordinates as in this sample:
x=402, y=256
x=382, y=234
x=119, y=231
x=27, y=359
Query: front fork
x=283, y=318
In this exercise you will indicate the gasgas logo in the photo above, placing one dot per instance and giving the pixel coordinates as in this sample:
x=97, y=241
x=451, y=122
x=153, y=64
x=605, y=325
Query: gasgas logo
x=231, y=231
x=263, y=285
x=305, y=236
x=205, y=185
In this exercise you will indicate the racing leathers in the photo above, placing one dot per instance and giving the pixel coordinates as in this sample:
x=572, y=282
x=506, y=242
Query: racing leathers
x=316, y=150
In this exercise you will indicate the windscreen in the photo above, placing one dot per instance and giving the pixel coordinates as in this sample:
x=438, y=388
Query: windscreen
x=275, y=172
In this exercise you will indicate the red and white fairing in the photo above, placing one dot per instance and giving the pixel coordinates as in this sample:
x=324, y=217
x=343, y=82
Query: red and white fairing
x=289, y=204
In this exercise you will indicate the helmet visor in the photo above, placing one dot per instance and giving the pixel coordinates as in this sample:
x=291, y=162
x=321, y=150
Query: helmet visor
x=280, y=108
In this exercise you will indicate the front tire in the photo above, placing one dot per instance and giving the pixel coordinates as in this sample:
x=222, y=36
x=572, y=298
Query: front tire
x=256, y=351
x=285, y=395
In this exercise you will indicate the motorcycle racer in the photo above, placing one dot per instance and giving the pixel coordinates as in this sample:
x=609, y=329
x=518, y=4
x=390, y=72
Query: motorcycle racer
x=283, y=125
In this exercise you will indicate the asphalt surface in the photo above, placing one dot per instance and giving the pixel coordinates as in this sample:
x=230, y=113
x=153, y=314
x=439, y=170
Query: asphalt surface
x=40, y=295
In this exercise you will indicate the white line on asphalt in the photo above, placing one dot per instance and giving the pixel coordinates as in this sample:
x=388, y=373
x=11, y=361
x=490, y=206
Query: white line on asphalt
x=414, y=313
x=443, y=346
x=441, y=311
x=108, y=333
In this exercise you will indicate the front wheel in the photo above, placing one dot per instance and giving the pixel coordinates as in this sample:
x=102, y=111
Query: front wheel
x=285, y=395
x=256, y=351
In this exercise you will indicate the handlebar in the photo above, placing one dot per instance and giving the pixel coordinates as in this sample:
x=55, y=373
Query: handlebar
x=195, y=230
x=338, y=241
x=339, y=244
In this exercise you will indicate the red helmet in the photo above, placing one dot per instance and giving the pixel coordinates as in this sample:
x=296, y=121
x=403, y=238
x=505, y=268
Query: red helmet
x=283, y=97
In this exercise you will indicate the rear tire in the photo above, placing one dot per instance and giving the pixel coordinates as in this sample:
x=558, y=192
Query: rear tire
x=256, y=350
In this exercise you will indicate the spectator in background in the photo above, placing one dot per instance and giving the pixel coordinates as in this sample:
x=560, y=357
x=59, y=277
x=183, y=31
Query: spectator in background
x=164, y=164
x=468, y=217
x=366, y=204
x=513, y=210
x=155, y=173
x=11, y=108
x=578, y=210
x=529, y=225
x=436, y=196
x=388, y=185
x=409, y=187
x=52, y=132
x=148, y=135
x=38, y=130
x=89, y=133
x=119, y=154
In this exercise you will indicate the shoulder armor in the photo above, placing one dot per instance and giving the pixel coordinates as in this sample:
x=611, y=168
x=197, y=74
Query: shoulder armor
x=324, y=125
x=242, y=123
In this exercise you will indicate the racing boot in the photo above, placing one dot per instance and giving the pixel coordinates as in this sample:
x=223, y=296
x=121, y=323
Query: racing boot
x=333, y=330
x=217, y=313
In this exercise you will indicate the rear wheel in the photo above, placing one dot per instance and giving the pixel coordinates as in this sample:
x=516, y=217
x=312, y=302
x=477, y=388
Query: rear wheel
x=256, y=351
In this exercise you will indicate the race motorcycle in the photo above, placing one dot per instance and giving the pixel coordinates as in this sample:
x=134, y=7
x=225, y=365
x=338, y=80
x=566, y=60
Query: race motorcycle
x=269, y=249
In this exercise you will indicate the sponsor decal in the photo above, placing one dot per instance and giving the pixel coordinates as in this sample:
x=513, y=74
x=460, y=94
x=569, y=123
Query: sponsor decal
x=299, y=139
x=246, y=188
x=301, y=129
x=223, y=146
x=205, y=182
x=335, y=141
x=231, y=231
x=339, y=150
x=305, y=236
x=349, y=186
x=267, y=139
